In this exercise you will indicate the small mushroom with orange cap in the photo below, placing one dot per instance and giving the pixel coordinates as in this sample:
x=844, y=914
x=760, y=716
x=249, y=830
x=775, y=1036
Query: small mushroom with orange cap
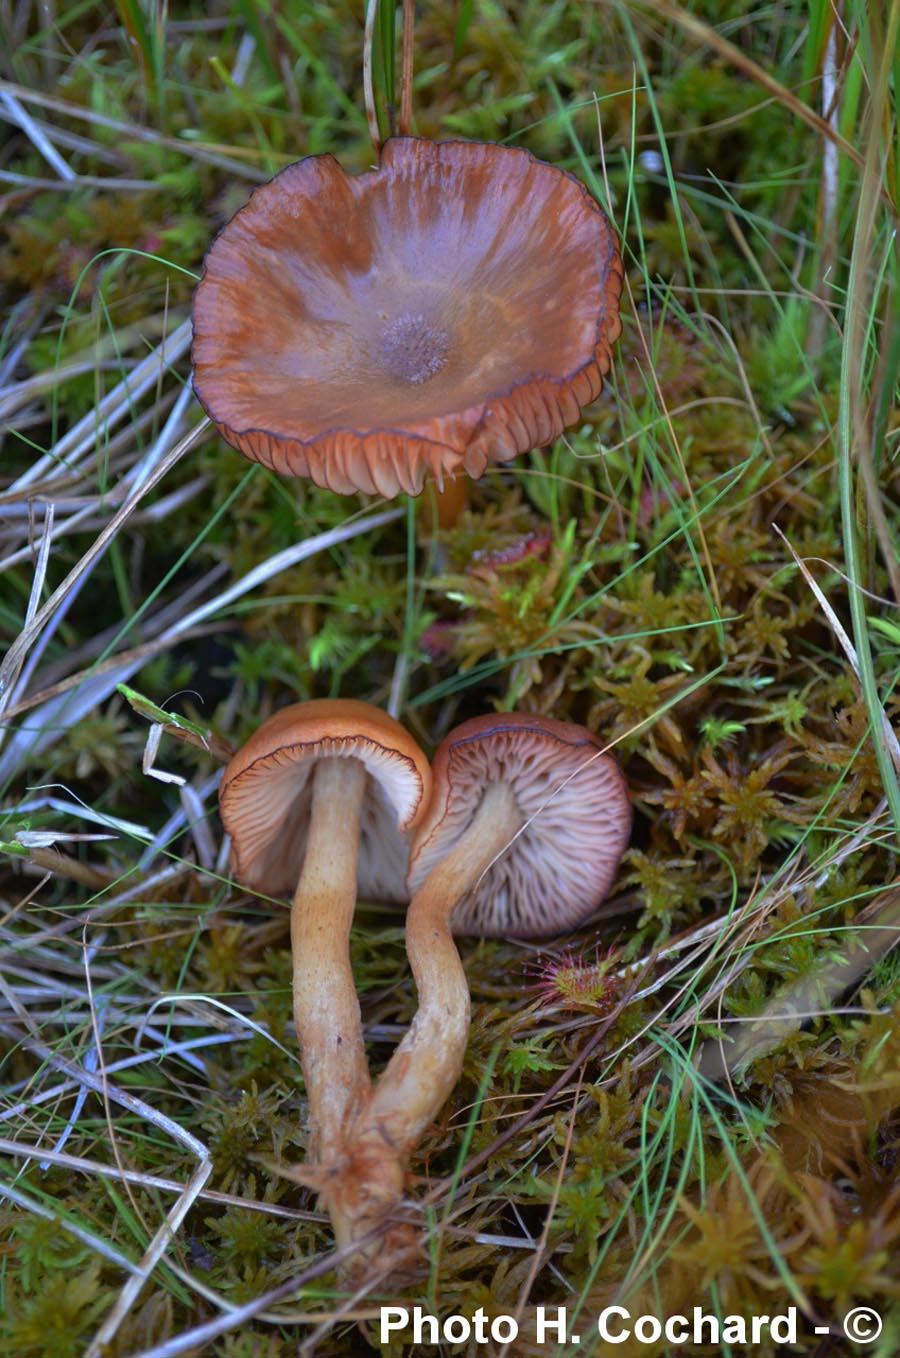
x=316, y=803
x=453, y=308
x=522, y=838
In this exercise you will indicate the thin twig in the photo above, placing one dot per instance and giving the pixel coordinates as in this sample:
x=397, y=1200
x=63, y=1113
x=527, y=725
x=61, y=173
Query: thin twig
x=72, y=869
x=17, y=652
x=406, y=88
x=56, y=1092
x=21, y=1150
x=94, y=1242
x=540, y=1252
x=152, y=1255
x=141, y=1110
x=191, y=1189
x=134, y=132
x=81, y=440
x=707, y=36
x=15, y=113
x=79, y=181
x=893, y=745
x=40, y=569
x=368, y=86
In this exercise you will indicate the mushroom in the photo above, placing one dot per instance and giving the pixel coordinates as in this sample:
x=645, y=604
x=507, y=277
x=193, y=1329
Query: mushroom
x=452, y=308
x=316, y=802
x=522, y=839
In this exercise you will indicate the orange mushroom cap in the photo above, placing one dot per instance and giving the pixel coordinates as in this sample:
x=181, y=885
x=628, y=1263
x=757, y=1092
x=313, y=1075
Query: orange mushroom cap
x=452, y=308
x=266, y=791
x=577, y=814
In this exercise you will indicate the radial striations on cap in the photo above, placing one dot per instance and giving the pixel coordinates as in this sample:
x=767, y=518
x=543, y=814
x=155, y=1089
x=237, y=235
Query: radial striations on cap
x=453, y=308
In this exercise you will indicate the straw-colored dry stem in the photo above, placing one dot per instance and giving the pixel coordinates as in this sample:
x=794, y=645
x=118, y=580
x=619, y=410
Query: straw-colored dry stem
x=409, y=22
x=326, y=1010
x=427, y=1064
x=368, y=83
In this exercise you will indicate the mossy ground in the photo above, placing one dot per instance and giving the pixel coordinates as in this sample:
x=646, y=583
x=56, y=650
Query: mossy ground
x=730, y=1137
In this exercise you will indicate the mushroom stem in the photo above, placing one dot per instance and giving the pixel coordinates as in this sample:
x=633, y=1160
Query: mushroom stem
x=427, y=1064
x=326, y=1009
x=448, y=504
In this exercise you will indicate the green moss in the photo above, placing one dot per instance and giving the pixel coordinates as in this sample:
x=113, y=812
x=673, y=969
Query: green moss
x=629, y=578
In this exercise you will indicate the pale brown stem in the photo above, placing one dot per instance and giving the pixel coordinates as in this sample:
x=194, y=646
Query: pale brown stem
x=427, y=1064
x=326, y=1010
x=51, y=860
x=444, y=508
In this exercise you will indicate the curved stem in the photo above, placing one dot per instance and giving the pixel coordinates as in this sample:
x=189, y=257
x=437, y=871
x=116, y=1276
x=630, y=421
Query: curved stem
x=326, y=1010
x=427, y=1064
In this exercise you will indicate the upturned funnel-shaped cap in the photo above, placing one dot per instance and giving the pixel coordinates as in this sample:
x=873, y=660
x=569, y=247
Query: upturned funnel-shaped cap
x=453, y=308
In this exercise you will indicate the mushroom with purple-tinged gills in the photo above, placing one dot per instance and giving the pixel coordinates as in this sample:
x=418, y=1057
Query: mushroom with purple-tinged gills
x=317, y=802
x=522, y=838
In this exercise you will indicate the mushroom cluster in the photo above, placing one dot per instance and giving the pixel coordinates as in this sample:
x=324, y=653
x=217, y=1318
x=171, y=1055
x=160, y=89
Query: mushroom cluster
x=516, y=830
x=316, y=804
x=450, y=309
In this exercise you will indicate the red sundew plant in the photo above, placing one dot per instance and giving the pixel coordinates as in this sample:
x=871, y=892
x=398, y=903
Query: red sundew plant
x=486, y=562
x=576, y=980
